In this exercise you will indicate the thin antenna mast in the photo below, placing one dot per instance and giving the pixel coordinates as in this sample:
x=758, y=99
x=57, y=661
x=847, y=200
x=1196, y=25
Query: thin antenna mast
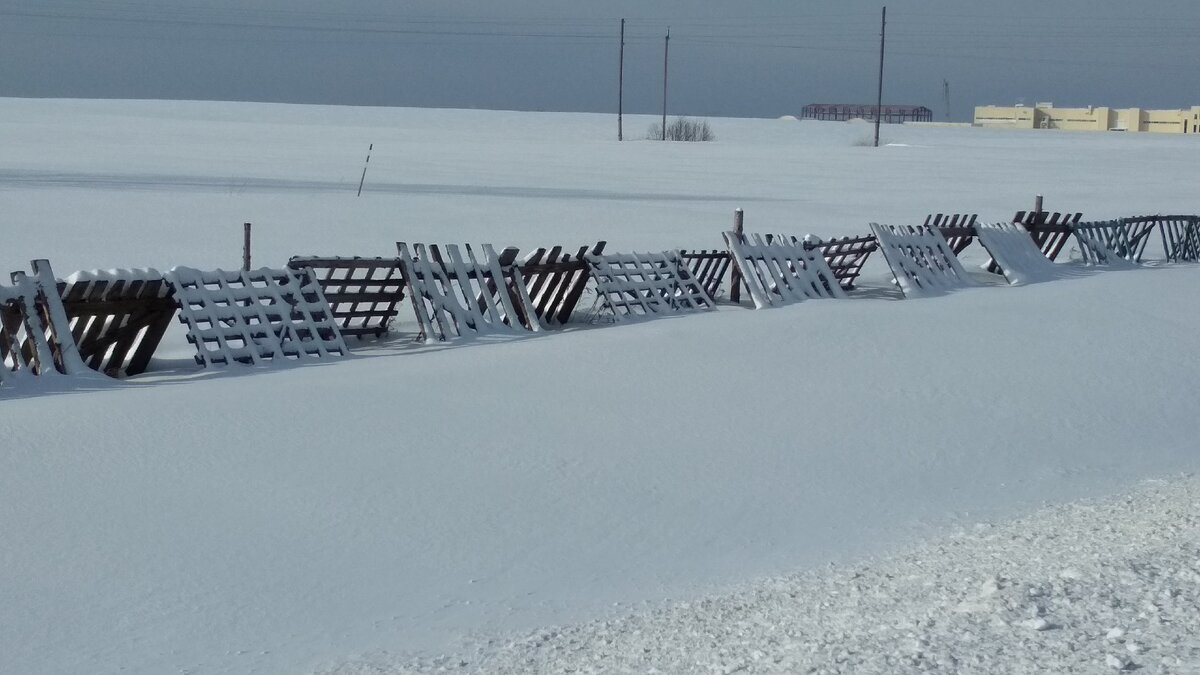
x=666, y=54
x=879, y=98
x=621, y=84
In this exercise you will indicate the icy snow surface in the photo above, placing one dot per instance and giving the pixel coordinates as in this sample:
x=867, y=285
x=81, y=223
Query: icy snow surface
x=1084, y=588
x=292, y=519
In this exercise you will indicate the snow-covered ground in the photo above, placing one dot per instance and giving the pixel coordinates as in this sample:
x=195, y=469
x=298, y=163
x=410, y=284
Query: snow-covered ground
x=369, y=514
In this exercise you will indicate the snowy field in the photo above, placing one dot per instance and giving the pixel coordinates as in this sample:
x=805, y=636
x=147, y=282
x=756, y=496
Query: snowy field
x=668, y=493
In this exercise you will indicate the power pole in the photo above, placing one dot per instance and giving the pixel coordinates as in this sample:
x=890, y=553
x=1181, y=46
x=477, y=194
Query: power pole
x=621, y=84
x=946, y=96
x=879, y=98
x=666, y=54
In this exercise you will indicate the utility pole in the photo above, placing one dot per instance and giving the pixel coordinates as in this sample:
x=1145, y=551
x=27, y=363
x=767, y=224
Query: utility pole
x=879, y=98
x=621, y=84
x=666, y=54
x=946, y=96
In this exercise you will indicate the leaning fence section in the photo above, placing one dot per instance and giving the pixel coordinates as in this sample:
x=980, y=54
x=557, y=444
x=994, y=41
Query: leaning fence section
x=254, y=316
x=363, y=293
x=646, y=284
x=35, y=334
x=779, y=270
x=555, y=281
x=456, y=294
x=118, y=317
x=920, y=259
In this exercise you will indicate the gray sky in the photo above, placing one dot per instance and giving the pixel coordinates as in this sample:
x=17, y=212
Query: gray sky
x=748, y=58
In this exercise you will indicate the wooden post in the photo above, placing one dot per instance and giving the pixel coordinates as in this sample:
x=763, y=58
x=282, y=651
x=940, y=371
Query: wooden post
x=246, y=247
x=1037, y=208
x=735, y=277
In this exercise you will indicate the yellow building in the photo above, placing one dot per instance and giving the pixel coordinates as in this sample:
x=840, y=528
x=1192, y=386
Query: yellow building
x=1046, y=116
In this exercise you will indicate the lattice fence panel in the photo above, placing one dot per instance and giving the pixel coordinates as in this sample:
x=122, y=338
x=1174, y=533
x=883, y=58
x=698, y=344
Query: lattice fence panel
x=1050, y=231
x=254, y=316
x=1093, y=245
x=845, y=256
x=957, y=228
x=709, y=268
x=782, y=271
x=455, y=296
x=1126, y=237
x=1180, y=237
x=920, y=259
x=1016, y=254
x=363, y=293
x=643, y=284
x=35, y=335
x=556, y=281
x=118, y=318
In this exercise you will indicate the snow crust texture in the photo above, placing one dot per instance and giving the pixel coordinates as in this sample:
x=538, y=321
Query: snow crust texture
x=1090, y=587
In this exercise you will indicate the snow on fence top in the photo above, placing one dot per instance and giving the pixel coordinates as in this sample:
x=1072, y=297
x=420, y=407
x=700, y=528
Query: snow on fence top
x=780, y=271
x=455, y=296
x=254, y=316
x=642, y=284
x=920, y=259
x=1016, y=254
x=118, y=317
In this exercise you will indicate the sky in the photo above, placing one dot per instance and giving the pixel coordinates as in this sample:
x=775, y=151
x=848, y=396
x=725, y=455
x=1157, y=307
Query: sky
x=756, y=58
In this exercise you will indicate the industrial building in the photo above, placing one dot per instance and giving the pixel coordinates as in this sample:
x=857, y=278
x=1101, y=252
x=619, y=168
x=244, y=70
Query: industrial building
x=892, y=114
x=1091, y=118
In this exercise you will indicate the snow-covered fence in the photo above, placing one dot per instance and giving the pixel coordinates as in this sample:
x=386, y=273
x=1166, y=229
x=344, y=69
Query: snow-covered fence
x=35, y=334
x=363, y=293
x=957, y=228
x=1180, y=237
x=640, y=284
x=454, y=296
x=118, y=317
x=920, y=260
x=1094, y=247
x=708, y=268
x=556, y=281
x=254, y=316
x=845, y=256
x=1016, y=255
x=781, y=271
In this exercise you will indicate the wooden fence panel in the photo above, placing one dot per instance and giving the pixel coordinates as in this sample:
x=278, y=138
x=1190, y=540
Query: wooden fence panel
x=845, y=256
x=254, y=316
x=1093, y=241
x=709, y=268
x=556, y=281
x=1050, y=231
x=455, y=296
x=35, y=334
x=957, y=228
x=1126, y=237
x=363, y=293
x=781, y=271
x=1180, y=237
x=118, y=318
x=643, y=284
x=1015, y=253
x=920, y=259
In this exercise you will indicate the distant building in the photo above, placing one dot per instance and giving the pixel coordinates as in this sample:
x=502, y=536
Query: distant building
x=892, y=114
x=1046, y=116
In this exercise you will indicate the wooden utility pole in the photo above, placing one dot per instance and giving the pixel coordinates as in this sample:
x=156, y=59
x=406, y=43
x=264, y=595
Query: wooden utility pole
x=246, y=246
x=879, y=98
x=621, y=84
x=735, y=277
x=666, y=54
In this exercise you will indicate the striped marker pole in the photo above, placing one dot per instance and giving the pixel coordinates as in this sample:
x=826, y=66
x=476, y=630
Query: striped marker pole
x=364, y=173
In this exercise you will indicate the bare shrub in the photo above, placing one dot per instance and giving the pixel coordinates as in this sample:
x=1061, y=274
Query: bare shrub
x=682, y=129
